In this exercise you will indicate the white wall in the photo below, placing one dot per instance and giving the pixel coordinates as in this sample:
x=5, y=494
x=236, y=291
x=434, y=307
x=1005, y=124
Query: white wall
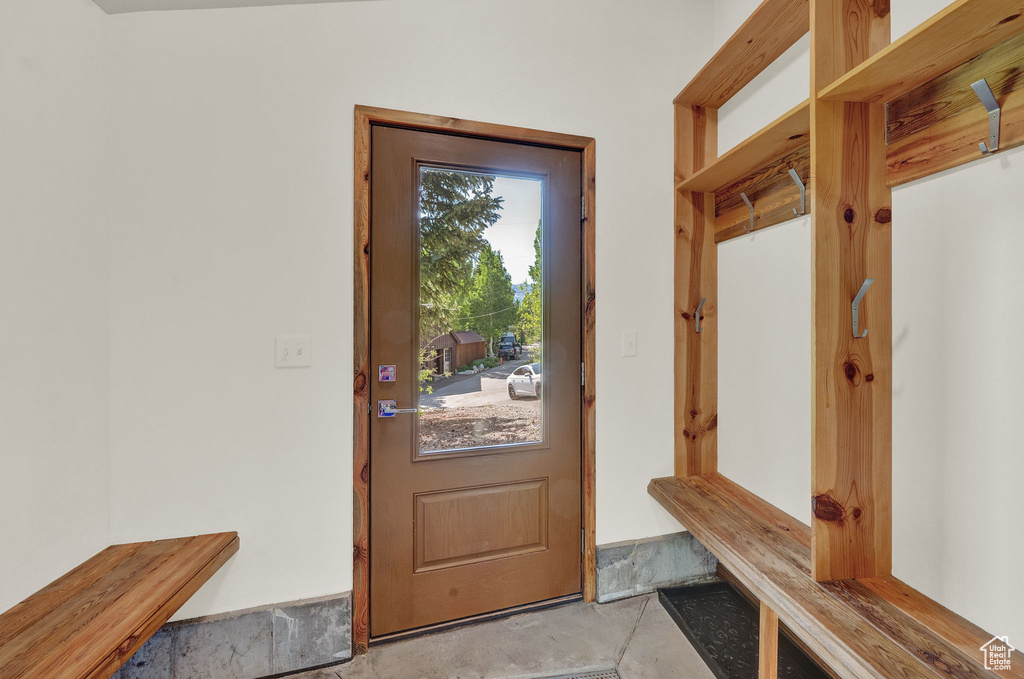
x=54, y=463
x=957, y=428
x=764, y=363
x=958, y=400
x=764, y=314
x=958, y=432
x=233, y=162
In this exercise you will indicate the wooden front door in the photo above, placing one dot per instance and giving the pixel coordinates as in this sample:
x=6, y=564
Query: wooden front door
x=474, y=477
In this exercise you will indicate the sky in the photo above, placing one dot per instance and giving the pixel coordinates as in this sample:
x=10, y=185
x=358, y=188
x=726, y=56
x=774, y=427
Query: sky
x=512, y=235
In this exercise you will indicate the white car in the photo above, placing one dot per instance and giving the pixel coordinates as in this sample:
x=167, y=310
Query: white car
x=524, y=381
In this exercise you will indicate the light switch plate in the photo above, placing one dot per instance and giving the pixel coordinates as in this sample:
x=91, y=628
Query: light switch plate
x=292, y=351
x=629, y=342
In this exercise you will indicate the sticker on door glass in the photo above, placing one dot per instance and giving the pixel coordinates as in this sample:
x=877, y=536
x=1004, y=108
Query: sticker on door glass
x=386, y=373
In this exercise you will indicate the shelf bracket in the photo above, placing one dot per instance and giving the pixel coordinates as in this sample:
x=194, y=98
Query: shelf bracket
x=988, y=100
x=696, y=314
x=751, y=207
x=855, y=308
x=803, y=193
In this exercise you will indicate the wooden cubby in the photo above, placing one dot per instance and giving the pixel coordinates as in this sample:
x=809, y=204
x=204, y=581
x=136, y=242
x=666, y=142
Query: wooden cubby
x=759, y=166
x=779, y=138
x=879, y=114
x=957, y=34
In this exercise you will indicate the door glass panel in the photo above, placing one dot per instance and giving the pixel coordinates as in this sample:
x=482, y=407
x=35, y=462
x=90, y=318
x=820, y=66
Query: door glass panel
x=480, y=307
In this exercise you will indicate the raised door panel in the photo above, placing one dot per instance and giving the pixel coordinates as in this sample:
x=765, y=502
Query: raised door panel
x=460, y=527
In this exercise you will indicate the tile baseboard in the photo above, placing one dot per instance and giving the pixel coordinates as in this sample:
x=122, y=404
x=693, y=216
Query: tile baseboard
x=291, y=637
x=257, y=642
x=635, y=567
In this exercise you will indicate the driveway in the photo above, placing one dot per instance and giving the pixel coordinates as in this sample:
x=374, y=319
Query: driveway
x=475, y=410
x=486, y=388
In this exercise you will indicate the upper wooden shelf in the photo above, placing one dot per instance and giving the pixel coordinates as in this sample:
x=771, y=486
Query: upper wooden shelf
x=772, y=29
x=877, y=627
x=781, y=137
x=87, y=623
x=958, y=33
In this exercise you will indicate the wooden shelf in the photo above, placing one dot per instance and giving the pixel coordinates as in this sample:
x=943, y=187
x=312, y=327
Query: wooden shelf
x=88, y=622
x=781, y=137
x=772, y=29
x=875, y=627
x=956, y=34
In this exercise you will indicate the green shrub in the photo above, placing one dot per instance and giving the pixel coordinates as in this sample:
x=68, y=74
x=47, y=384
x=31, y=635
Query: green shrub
x=488, y=362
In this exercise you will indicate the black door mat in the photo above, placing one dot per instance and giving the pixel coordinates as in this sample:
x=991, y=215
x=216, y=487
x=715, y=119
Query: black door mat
x=723, y=626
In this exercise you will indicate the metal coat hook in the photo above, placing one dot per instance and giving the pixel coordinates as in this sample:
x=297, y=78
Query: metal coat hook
x=803, y=193
x=988, y=100
x=696, y=314
x=751, y=206
x=855, y=308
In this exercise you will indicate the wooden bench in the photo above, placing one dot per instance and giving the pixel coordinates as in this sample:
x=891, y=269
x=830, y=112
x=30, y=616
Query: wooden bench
x=875, y=627
x=86, y=624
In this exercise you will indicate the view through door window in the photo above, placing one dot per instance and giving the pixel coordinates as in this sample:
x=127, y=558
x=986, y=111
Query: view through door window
x=480, y=310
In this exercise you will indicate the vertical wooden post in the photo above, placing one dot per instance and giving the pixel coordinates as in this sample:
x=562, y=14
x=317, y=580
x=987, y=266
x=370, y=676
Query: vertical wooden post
x=696, y=277
x=852, y=402
x=589, y=373
x=768, y=644
x=361, y=389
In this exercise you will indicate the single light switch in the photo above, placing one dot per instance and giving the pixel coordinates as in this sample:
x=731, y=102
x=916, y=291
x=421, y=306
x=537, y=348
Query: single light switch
x=629, y=342
x=292, y=351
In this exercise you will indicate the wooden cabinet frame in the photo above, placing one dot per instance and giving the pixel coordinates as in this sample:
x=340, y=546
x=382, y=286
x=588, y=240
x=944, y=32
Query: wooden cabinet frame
x=878, y=115
x=836, y=142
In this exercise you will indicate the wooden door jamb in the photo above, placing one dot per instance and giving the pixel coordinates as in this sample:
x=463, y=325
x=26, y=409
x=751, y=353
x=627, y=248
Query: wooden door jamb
x=365, y=118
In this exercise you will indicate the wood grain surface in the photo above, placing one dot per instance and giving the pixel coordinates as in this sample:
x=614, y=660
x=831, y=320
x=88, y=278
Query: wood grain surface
x=781, y=137
x=361, y=386
x=696, y=277
x=846, y=624
x=589, y=371
x=772, y=29
x=955, y=34
x=768, y=644
x=772, y=191
x=851, y=241
x=938, y=125
x=87, y=623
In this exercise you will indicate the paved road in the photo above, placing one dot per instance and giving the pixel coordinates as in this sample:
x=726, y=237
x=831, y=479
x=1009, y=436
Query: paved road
x=484, y=388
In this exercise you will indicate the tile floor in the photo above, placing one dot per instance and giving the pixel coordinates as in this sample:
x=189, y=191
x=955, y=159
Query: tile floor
x=634, y=636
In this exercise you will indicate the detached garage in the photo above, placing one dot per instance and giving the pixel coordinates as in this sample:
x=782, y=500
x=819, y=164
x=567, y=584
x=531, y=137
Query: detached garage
x=455, y=349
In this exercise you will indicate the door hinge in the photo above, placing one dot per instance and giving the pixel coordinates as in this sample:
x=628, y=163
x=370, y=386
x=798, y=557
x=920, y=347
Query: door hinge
x=583, y=374
x=583, y=541
x=583, y=208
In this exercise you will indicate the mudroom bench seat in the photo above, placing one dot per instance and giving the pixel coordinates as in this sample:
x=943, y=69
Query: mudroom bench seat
x=87, y=623
x=877, y=628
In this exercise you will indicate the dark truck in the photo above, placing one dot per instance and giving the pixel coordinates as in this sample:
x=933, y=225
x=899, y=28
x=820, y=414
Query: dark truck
x=508, y=348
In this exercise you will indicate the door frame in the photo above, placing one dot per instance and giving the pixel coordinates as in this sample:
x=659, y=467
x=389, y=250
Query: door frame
x=365, y=118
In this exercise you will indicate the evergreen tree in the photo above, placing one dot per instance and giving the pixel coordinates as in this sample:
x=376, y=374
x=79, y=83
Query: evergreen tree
x=530, y=309
x=455, y=210
x=491, y=307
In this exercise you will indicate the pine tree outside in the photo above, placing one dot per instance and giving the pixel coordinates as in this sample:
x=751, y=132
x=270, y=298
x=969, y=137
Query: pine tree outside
x=480, y=310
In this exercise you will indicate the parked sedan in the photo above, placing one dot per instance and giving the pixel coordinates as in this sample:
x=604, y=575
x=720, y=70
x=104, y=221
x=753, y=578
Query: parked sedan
x=525, y=381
